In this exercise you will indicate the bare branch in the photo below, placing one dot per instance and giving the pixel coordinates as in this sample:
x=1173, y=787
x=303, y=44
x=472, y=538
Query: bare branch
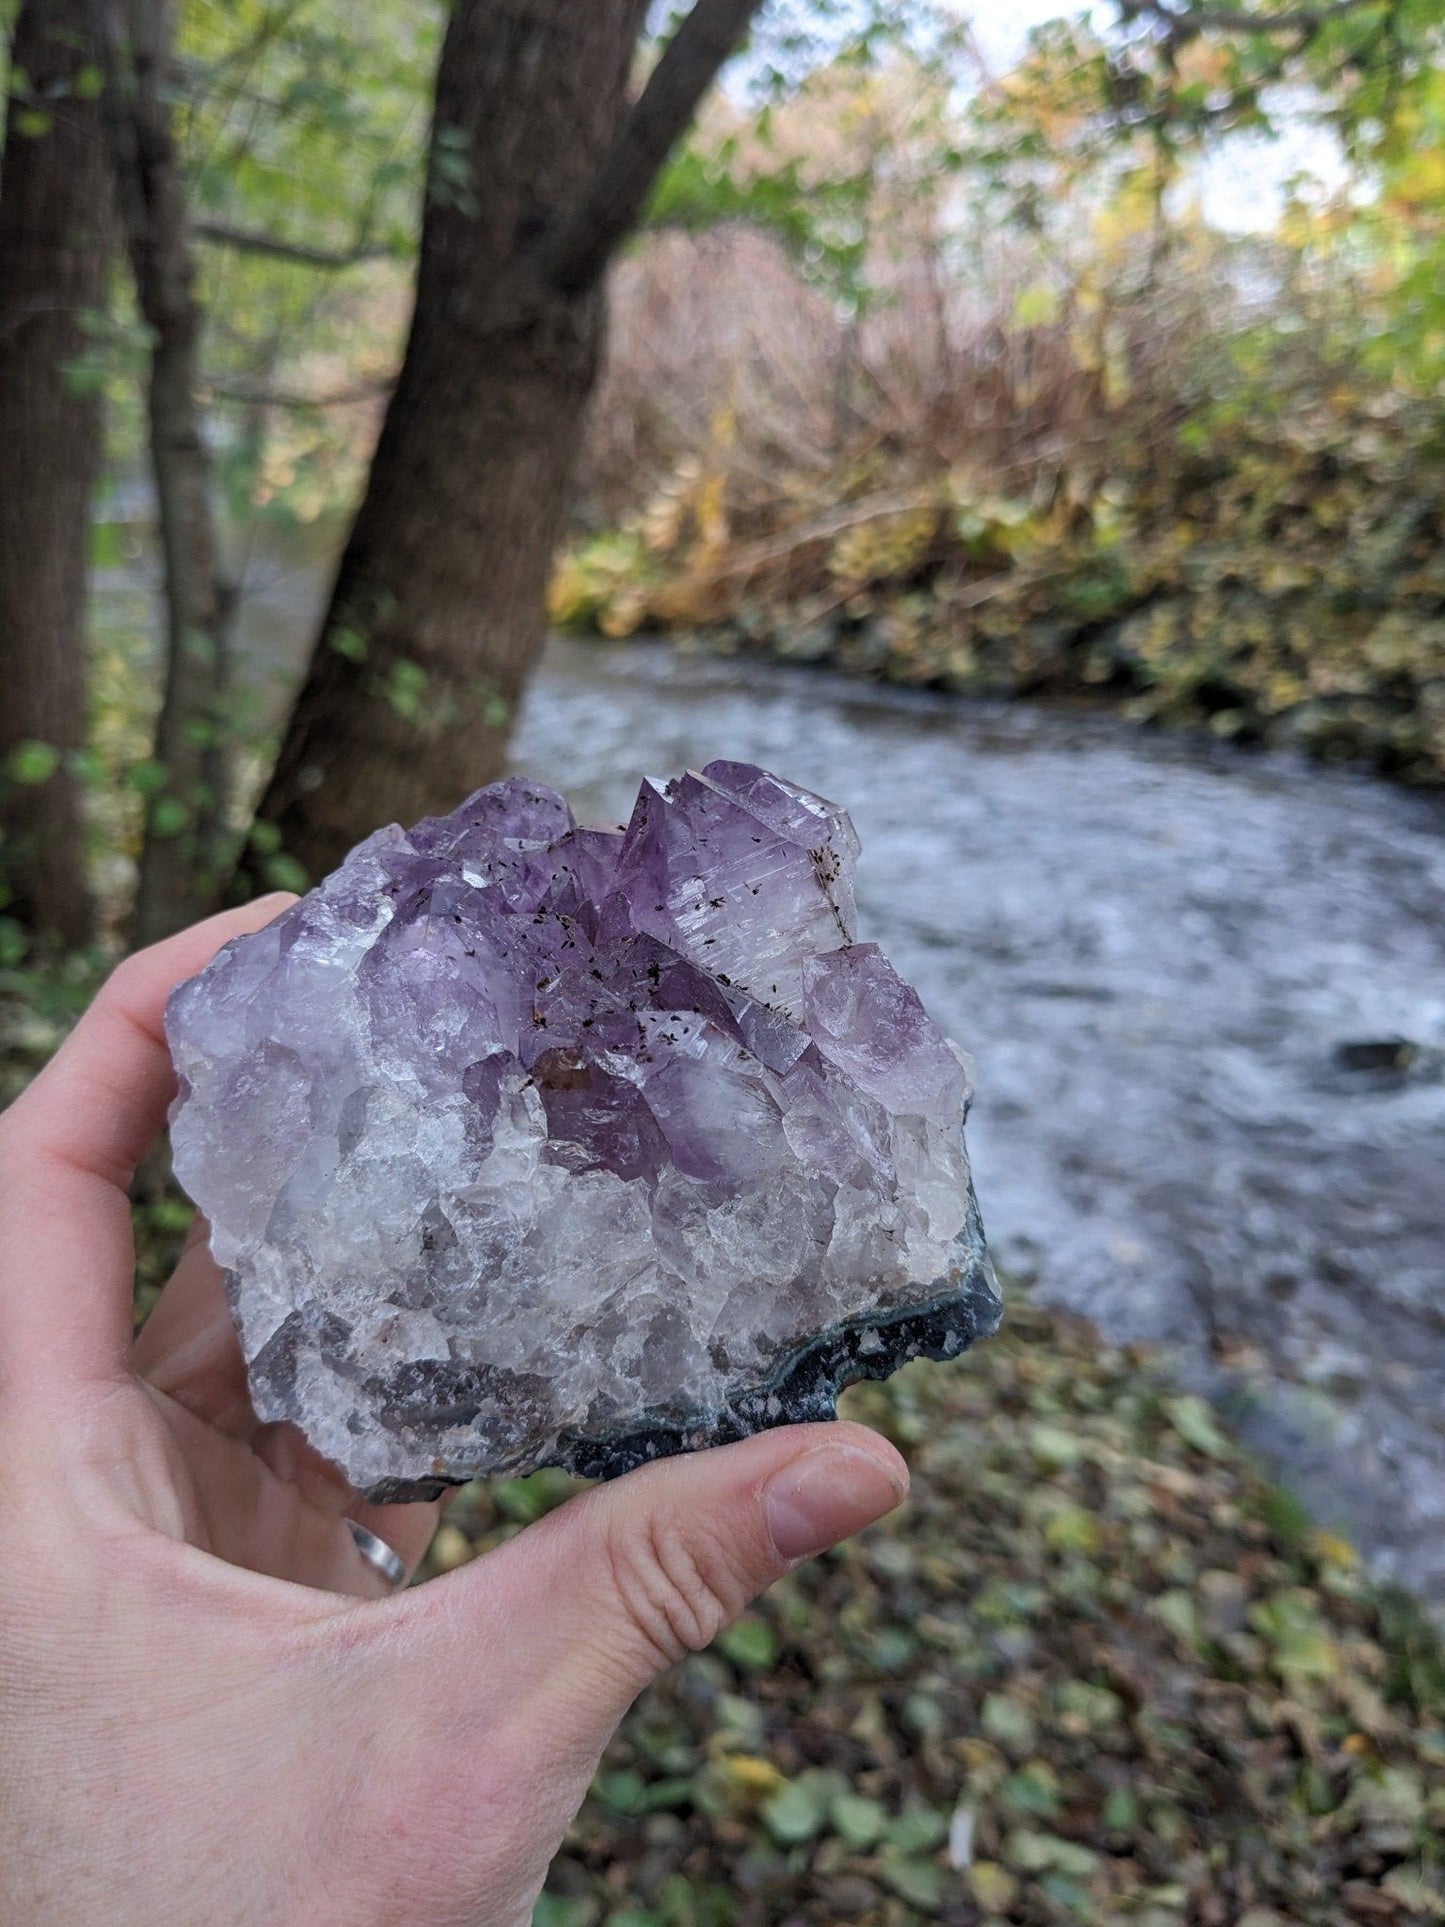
x=253, y=241
x=1196, y=20
x=263, y=397
x=575, y=255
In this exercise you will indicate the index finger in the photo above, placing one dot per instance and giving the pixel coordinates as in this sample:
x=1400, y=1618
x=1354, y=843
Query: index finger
x=69, y=1146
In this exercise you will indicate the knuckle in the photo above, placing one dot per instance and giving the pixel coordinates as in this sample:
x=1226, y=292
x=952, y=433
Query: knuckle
x=121, y=978
x=677, y=1588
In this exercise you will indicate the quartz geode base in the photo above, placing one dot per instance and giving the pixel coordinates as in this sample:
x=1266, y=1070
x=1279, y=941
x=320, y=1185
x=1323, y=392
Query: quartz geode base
x=525, y=1144
x=805, y=1389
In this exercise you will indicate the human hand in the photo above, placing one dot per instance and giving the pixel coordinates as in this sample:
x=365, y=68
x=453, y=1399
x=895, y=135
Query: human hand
x=211, y=1712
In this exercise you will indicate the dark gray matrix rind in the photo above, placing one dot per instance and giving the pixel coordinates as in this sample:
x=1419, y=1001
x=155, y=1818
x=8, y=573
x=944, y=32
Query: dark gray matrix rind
x=967, y=1309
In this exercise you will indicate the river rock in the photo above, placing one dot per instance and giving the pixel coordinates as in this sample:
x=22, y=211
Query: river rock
x=527, y=1144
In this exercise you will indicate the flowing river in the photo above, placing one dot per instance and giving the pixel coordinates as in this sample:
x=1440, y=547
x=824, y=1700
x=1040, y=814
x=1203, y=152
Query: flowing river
x=1153, y=951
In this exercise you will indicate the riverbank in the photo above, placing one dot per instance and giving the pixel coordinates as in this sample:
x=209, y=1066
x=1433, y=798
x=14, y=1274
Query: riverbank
x=1097, y=1670
x=1276, y=583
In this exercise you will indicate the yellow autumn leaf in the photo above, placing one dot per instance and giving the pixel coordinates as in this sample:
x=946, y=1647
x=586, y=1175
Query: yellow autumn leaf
x=750, y=1773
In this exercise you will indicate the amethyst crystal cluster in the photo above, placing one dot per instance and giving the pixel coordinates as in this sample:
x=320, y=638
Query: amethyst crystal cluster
x=526, y=1144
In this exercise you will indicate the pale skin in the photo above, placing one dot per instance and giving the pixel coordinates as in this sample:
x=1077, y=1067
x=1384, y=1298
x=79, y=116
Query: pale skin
x=211, y=1710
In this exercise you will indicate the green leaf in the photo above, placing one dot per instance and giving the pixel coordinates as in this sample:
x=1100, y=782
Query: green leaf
x=1034, y=1852
x=993, y=1887
x=264, y=838
x=171, y=1215
x=739, y=1717
x=1066, y=1893
x=283, y=872
x=1033, y=1789
x=525, y=1500
x=859, y=1821
x=1300, y=1643
x=661, y=1796
x=622, y=1790
x=1121, y=1811
x=891, y=1648
x=1194, y=1422
x=349, y=643
x=406, y=689
x=555, y=1910
x=169, y=816
x=1179, y=1611
x=919, y=1882
x=1072, y=1528
x=685, y=1904
x=798, y=1811
x=14, y=943
x=1087, y=1704
x=108, y=544
x=750, y=1643
x=1289, y=1523
x=1053, y=1447
x=923, y=1715
x=32, y=763
x=147, y=778
x=87, y=766
x=918, y=1829
x=1008, y=1722
x=1037, y=307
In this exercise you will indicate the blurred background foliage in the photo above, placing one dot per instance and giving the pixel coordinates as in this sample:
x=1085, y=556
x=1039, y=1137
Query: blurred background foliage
x=1026, y=421
x=937, y=366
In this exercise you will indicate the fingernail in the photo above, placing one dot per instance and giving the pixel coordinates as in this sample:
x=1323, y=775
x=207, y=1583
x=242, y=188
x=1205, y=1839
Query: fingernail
x=823, y=1496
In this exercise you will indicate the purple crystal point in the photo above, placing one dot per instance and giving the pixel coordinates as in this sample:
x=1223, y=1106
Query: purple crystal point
x=525, y=1144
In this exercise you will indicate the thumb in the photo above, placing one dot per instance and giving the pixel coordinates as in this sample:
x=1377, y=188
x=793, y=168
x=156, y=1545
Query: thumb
x=624, y=1579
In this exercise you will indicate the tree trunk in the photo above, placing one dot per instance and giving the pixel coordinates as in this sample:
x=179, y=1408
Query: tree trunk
x=437, y=610
x=181, y=856
x=538, y=170
x=54, y=230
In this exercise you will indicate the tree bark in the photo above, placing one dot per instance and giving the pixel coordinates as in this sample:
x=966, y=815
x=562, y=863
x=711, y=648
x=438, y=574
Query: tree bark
x=181, y=855
x=54, y=233
x=437, y=613
x=576, y=251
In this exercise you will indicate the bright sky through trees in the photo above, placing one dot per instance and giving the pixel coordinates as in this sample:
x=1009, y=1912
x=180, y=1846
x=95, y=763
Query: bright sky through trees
x=1242, y=188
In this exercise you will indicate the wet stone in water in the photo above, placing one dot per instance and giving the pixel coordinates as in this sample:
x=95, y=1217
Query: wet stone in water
x=525, y=1144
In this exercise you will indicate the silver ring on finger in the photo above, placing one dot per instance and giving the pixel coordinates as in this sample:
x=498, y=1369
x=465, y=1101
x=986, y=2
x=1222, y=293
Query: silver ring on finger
x=383, y=1559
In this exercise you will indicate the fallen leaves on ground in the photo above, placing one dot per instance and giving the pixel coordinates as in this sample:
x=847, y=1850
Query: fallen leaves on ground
x=1097, y=1670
